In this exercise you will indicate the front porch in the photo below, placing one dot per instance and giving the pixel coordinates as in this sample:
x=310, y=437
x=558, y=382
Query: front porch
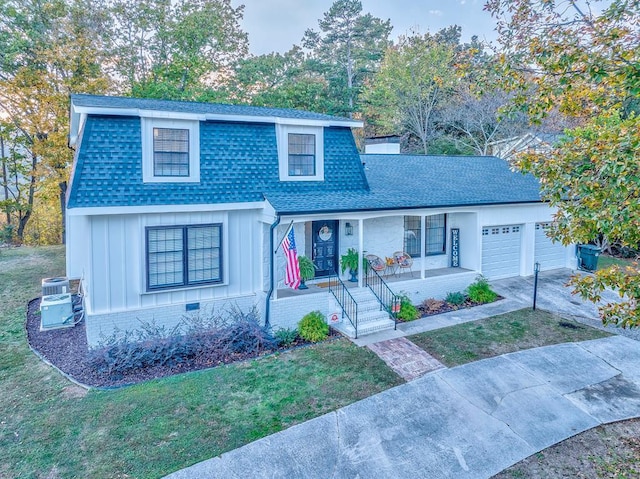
x=394, y=280
x=291, y=305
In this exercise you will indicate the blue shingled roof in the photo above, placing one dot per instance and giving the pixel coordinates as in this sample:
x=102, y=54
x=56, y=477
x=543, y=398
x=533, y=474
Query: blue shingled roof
x=239, y=163
x=417, y=181
x=97, y=101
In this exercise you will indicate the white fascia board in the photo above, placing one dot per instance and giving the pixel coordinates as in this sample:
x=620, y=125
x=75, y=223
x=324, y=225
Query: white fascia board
x=215, y=117
x=129, y=210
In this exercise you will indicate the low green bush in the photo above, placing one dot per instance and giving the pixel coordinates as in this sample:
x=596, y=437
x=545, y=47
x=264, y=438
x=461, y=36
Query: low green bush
x=313, y=327
x=408, y=312
x=286, y=336
x=456, y=298
x=481, y=292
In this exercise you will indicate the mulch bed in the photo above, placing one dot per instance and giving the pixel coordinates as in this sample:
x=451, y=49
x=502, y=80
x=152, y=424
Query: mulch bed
x=67, y=350
x=446, y=307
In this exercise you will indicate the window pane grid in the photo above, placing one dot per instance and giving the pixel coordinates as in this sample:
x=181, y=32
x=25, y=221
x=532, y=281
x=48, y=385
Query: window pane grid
x=302, y=154
x=412, y=235
x=184, y=255
x=170, y=152
x=435, y=234
x=165, y=247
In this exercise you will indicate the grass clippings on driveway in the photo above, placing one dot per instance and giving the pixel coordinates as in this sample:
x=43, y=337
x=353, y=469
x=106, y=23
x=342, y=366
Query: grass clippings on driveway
x=610, y=451
x=50, y=428
x=523, y=329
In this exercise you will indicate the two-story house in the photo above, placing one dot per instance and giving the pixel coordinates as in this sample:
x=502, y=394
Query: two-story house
x=175, y=207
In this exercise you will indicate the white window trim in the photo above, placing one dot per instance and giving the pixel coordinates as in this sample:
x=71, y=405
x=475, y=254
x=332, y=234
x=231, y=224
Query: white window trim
x=148, y=124
x=282, y=135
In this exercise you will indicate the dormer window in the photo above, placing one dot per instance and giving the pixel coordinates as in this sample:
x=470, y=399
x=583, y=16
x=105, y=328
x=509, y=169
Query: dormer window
x=301, y=153
x=170, y=151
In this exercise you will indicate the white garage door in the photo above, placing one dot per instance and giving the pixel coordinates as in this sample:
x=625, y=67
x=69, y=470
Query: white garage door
x=550, y=255
x=501, y=251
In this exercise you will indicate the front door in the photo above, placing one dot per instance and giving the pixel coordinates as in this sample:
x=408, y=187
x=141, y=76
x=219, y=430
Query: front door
x=325, y=247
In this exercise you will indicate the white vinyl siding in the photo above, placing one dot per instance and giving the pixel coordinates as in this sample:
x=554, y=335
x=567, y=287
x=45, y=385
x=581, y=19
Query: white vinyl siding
x=501, y=247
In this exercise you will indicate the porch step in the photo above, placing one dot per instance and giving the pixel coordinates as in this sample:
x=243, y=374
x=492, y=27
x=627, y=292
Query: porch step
x=370, y=318
x=363, y=329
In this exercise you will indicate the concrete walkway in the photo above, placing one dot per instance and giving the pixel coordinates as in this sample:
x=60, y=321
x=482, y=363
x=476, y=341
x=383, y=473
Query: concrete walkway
x=471, y=421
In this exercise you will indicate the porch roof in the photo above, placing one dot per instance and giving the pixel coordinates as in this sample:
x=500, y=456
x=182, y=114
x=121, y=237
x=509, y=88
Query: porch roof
x=419, y=181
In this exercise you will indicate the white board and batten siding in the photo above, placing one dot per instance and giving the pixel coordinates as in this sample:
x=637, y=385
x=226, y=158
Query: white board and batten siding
x=119, y=256
x=501, y=251
x=550, y=255
x=117, y=268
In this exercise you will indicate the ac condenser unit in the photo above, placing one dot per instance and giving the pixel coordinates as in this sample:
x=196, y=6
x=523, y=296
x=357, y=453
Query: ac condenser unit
x=56, y=311
x=59, y=285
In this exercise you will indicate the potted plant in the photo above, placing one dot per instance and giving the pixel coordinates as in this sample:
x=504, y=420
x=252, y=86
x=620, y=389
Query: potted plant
x=350, y=260
x=307, y=271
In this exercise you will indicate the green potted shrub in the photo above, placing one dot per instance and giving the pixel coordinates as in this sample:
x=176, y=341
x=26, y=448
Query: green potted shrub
x=350, y=261
x=307, y=271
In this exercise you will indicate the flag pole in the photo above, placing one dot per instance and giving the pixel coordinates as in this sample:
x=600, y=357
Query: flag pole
x=283, y=237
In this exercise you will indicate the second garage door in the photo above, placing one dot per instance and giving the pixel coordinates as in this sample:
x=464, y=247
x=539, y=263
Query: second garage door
x=501, y=251
x=550, y=255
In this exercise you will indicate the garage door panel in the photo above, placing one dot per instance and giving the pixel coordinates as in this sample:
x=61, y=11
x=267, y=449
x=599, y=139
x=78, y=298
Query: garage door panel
x=550, y=255
x=501, y=251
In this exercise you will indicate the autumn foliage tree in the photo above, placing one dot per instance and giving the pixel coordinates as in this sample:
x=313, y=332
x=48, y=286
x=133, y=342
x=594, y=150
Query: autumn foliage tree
x=584, y=59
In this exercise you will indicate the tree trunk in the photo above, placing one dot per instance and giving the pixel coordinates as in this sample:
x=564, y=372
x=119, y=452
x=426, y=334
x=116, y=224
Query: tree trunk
x=24, y=216
x=5, y=178
x=63, y=209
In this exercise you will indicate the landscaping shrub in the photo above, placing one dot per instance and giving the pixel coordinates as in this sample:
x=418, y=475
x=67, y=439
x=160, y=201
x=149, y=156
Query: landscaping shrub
x=456, y=298
x=236, y=332
x=313, y=327
x=408, y=312
x=430, y=306
x=481, y=292
x=286, y=337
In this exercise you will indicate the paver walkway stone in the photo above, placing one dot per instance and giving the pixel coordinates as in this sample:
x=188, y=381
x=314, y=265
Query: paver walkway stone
x=405, y=358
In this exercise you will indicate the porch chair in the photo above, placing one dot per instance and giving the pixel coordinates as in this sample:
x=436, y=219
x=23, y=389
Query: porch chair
x=376, y=263
x=404, y=261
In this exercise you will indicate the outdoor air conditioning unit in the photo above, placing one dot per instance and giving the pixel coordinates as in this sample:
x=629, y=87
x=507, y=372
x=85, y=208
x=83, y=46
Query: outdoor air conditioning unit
x=59, y=285
x=56, y=311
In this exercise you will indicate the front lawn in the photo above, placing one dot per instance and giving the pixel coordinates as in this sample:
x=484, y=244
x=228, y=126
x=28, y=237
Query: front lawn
x=502, y=334
x=604, y=261
x=52, y=428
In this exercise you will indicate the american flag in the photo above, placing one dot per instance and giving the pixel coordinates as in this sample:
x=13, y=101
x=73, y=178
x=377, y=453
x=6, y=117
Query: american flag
x=292, y=276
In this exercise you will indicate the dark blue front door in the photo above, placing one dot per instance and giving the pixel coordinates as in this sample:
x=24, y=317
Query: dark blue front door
x=325, y=247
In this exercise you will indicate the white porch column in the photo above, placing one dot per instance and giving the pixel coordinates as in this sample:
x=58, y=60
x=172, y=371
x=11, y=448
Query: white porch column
x=423, y=251
x=360, y=251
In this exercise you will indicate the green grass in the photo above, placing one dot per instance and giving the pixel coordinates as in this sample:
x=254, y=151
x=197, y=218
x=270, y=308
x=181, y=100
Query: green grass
x=49, y=428
x=502, y=334
x=605, y=261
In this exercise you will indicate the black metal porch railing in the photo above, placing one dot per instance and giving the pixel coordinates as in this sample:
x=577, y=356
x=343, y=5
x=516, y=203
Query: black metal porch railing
x=388, y=300
x=345, y=300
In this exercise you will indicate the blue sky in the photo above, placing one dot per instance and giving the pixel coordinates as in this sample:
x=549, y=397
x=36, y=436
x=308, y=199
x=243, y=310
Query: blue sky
x=276, y=25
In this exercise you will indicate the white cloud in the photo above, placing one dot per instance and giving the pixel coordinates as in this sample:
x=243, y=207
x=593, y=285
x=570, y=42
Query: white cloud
x=437, y=13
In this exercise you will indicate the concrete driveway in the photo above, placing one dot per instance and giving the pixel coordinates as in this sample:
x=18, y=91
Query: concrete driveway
x=471, y=421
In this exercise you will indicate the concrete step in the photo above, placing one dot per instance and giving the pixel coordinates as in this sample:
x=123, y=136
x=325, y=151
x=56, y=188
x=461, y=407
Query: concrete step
x=363, y=329
x=371, y=316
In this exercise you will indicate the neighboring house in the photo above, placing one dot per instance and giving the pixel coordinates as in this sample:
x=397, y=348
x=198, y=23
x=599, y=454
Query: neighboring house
x=175, y=207
x=538, y=142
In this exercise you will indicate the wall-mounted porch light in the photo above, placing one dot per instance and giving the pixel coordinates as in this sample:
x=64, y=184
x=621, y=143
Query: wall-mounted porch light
x=348, y=229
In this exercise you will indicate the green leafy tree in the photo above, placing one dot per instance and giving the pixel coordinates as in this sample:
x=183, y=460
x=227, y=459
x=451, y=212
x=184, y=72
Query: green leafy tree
x=346, y=51
x=48, y=51
x=281, y=80
x=586, y=63
x=416, y=76
x=174, y=50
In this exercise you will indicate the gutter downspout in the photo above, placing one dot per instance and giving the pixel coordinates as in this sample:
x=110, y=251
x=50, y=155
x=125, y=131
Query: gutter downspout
x=274, y=225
